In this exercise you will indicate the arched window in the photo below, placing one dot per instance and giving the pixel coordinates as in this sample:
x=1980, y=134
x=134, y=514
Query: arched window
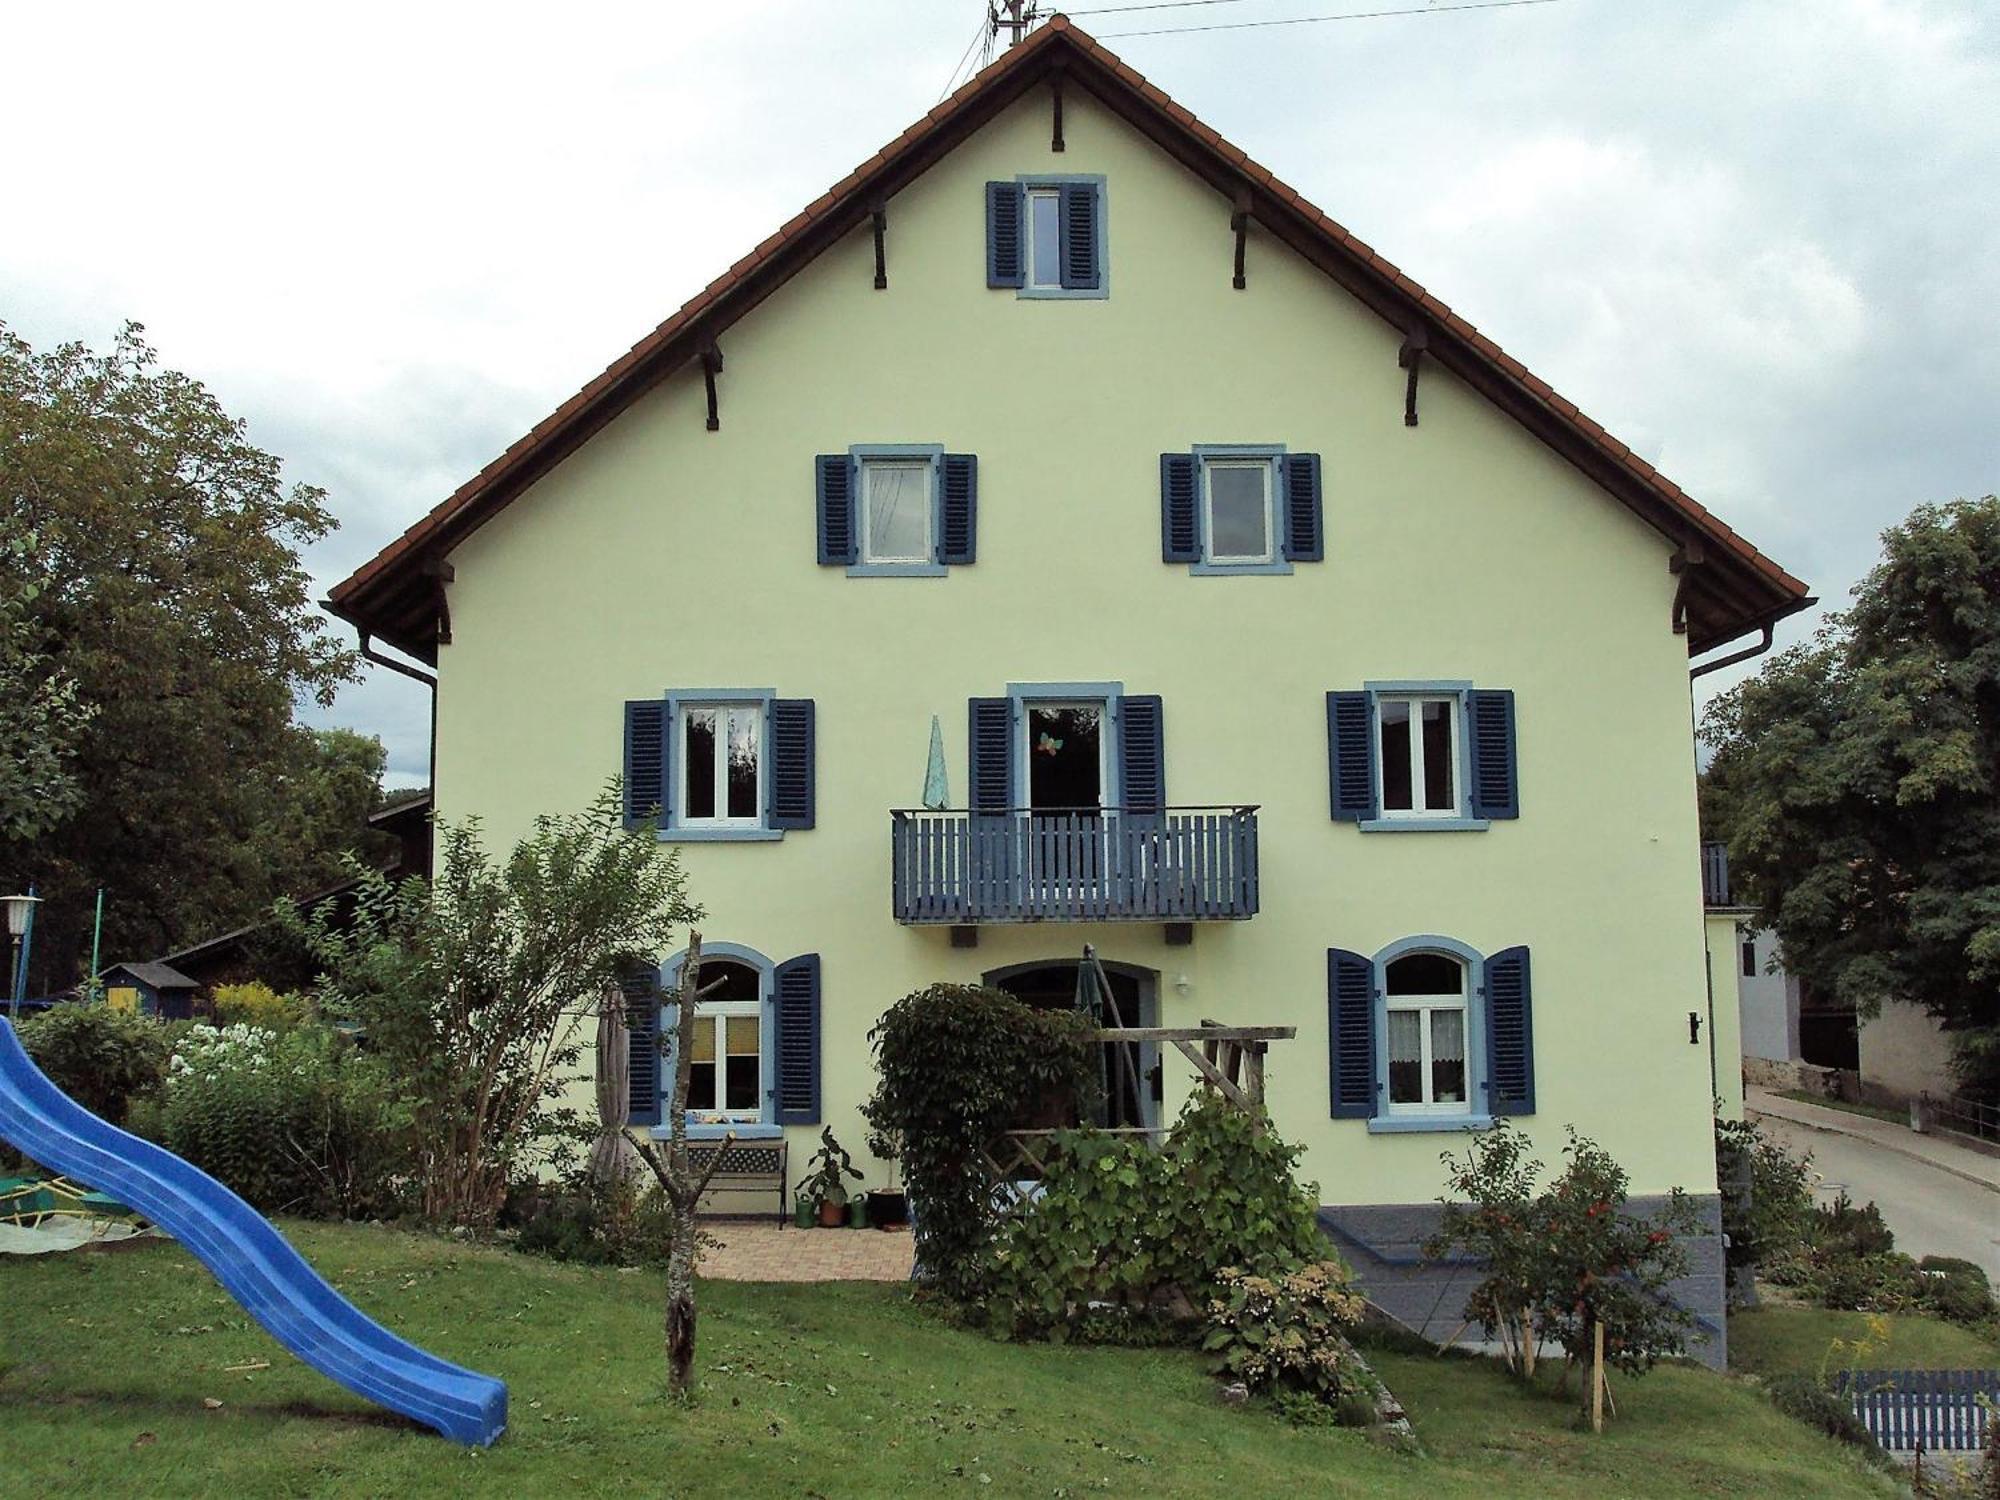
x=1426, y=1024
x=726, y=1068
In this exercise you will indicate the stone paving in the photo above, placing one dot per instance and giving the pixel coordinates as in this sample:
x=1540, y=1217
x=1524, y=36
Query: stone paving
x=760, y=1251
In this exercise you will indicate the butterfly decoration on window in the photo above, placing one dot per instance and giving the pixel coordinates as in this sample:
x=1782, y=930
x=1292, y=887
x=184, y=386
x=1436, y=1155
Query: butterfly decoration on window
x=1047, y=744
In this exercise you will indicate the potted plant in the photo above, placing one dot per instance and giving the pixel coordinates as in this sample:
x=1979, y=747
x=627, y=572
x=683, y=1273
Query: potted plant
x=888, y=1207
x=825, y=1183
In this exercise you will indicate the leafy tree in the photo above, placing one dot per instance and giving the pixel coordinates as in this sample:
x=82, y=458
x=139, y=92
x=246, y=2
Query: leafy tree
x=41, y=721
x=167, y=583
x=1856, y=781
x=476, y=991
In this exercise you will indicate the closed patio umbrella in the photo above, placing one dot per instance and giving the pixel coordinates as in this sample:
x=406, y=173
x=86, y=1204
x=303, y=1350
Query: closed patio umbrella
x=937, y=793
x=612, y=1155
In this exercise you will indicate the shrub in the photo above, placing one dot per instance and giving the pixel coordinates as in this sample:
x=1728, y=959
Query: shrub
x=1568, y=1258
x=302, y=1122
x=955, y=1066
x=1849, y=1262
x=1804, y=1399
x=1287, y=1333
x=1121, y=1224
x=256, y=1004
x=1767, y=1194
x=623, y=1223
x=102, y=1058
x=477, y=988
x=1956, y=1289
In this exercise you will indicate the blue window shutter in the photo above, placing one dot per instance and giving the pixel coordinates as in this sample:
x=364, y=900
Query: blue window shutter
x=1305, y=539
x=646, y=758
x=990, y=739
x=1142, y=753
x=1510, y=1035
x=1005, y=263
x=1350, y=756
x=1495, y=784
x=1078, y=230
x=959, y=538
x=794, y=768
x=833, y=481
x=1350, y=1020
x=795, y=986
x=642, y=1020
x=1180, y=540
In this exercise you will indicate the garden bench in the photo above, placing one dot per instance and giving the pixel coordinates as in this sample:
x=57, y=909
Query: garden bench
x=747, y=1172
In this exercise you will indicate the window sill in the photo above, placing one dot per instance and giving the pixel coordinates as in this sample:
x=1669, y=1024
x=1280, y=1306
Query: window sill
x=1410, y=1124
x=745, y=1130
x=1278, y=569
x=721, y=835
x=1062, y=293
x=1425, y=825
x=898, y=570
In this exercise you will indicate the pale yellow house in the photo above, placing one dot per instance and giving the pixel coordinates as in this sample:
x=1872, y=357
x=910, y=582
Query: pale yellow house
x=1291, y=644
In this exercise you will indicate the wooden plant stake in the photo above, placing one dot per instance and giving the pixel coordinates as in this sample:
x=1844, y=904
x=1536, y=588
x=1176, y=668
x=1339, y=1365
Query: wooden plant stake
x=1597, y=1377
x=1528, y=1342
x=678, y=1179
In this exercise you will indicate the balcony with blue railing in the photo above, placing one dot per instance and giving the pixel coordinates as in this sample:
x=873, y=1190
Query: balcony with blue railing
x=963, y=868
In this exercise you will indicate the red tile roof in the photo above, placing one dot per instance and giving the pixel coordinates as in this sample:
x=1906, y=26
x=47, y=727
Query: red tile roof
x=1735, y=588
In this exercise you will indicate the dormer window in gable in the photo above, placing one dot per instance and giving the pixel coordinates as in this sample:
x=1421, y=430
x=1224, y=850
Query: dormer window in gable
x=1045, y=236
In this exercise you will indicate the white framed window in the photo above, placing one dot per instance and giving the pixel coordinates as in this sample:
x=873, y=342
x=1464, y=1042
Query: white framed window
x=726, y=1060
x=1427, y=1019
x=721, y=762
x=1418, y=744
x=1044, y=268
x=897, y=509
x=1239, y=520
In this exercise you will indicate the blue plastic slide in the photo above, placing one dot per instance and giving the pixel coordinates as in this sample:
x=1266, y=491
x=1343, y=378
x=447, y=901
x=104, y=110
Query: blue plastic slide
x=251, y=1259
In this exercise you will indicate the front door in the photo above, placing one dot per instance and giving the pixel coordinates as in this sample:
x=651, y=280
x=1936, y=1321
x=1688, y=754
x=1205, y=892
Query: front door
x=1065, y=771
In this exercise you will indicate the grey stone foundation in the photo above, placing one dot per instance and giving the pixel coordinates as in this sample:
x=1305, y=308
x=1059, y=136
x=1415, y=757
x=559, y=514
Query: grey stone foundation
x=1384, y=1243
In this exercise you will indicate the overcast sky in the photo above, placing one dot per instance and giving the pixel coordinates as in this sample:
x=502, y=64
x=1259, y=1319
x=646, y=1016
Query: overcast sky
x=1758, y=241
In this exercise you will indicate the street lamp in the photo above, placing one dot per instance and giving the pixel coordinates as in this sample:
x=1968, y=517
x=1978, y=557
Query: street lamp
x=19, y=910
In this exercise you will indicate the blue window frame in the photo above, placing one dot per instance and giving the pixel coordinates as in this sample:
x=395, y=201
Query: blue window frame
x=718, y=1104
x=1239, y=515
x=1429, y=1030
x=1063, y=237
x=719, y=765
x=898, y=510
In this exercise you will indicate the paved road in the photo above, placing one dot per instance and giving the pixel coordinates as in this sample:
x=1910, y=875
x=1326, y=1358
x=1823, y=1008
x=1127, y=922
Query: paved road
x=1931, y=1211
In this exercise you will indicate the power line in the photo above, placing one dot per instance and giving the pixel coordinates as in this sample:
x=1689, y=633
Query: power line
x=1351, y=15
x=1111, y=10
x=952, y=82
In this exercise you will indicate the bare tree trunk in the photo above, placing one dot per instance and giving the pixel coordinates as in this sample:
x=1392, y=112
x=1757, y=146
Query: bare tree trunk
x=678, y=1181
x=680, y=1265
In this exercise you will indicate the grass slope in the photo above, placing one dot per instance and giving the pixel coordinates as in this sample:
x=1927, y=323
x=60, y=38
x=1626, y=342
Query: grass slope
x=1795, y=1340
x=831, y=1391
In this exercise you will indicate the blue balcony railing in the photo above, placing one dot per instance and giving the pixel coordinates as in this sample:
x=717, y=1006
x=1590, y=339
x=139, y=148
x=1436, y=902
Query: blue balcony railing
x=1177, y=864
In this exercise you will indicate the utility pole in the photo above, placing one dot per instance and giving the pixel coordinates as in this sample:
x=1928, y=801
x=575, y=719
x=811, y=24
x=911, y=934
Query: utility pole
x=1016, y=23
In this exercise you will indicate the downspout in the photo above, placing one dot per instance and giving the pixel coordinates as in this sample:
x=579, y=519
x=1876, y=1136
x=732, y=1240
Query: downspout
x=1734, y=657
x=428, y=680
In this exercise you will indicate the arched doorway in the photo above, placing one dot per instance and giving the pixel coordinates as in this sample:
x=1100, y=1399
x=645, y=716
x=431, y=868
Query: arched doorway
x=1050, y=984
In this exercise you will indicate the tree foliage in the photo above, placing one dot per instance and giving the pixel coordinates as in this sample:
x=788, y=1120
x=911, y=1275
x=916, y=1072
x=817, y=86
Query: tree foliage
x=477, y=990
x=41, y=720
x=1856, y=780
x=164, y=579
x=956, y=1065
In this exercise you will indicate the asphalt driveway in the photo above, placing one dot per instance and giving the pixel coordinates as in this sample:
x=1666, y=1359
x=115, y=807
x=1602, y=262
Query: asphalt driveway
x=1938, y=1197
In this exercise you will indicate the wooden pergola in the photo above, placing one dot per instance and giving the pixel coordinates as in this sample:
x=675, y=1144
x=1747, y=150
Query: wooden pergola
x=1228, y=1059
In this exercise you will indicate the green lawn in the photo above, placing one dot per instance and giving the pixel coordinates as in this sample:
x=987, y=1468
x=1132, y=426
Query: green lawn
x=105, y=1361
x=1794, y=1340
